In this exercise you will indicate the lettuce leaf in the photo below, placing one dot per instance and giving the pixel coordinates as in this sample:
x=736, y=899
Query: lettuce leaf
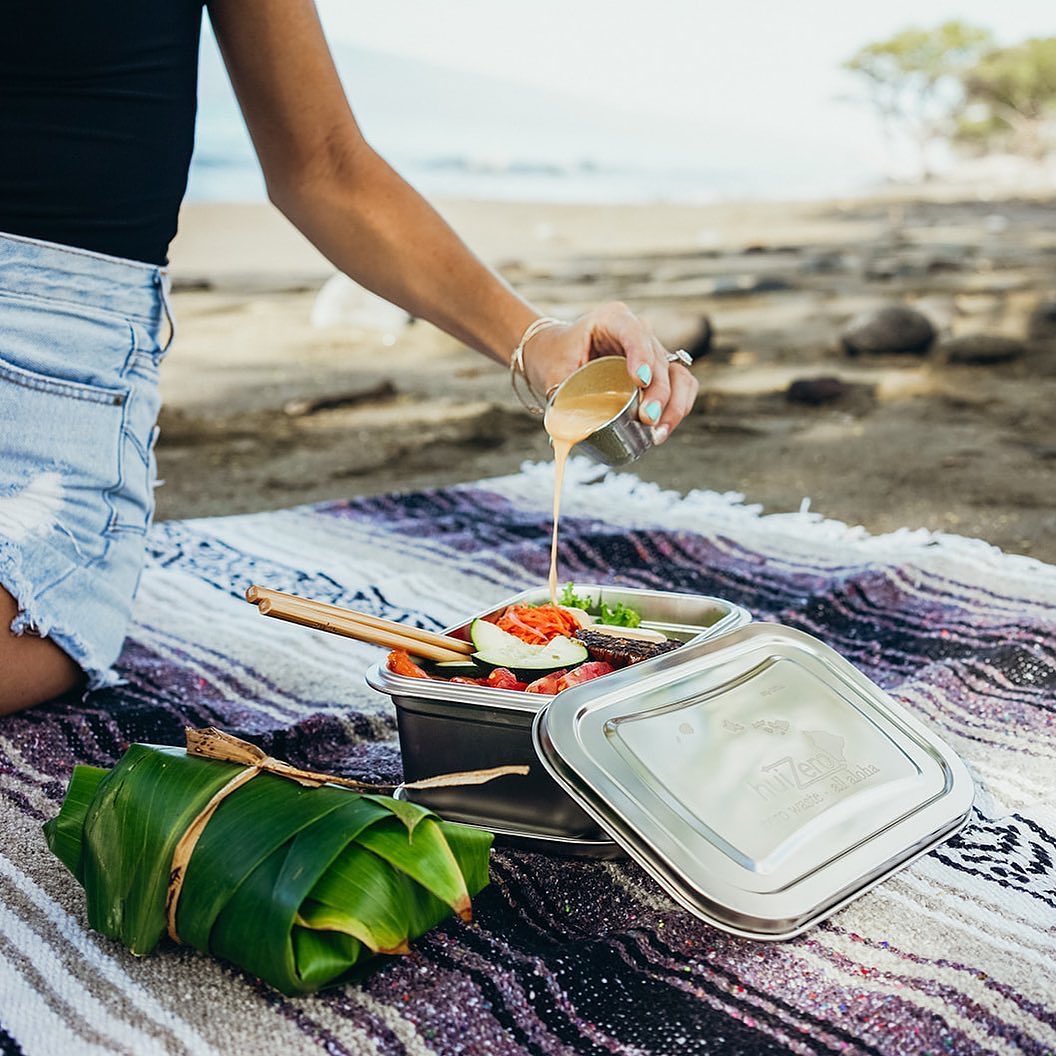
x=618, y=615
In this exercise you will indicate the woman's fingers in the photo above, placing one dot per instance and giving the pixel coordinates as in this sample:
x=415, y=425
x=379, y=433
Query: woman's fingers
x=656, y=393
x=684, y=388
x=656, y=396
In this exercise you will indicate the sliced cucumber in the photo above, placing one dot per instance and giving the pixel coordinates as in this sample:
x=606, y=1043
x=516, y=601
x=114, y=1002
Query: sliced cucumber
x=488, y=637
x=498, y=648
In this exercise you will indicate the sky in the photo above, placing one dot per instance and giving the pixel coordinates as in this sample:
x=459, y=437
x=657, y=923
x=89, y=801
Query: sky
x=757, y=67
x=750, y=91
x=675, y=56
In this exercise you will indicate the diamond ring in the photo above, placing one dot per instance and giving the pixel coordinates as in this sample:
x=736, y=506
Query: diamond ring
x=680, y=355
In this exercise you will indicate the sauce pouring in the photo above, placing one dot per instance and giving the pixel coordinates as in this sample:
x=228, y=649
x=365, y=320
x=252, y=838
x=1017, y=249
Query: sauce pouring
x=598, y=399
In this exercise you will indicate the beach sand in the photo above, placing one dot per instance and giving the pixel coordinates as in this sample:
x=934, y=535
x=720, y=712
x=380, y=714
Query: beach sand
x=263, y=409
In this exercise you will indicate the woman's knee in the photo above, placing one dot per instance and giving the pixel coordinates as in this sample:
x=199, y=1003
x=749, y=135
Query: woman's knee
x=32, y=669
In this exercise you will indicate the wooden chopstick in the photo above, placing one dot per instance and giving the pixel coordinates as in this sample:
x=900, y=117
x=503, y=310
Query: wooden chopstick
x=349, y=624
x=256, y=594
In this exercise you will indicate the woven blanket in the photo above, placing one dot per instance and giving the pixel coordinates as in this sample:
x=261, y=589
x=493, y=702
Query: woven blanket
x=954, y=954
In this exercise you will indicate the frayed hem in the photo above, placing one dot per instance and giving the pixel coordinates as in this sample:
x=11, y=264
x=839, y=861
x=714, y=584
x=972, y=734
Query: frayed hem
x=32, y=616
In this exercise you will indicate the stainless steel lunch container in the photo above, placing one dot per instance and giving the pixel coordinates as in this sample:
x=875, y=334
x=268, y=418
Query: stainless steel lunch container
x=761, y=779
x=623, y=438
x=446, y=727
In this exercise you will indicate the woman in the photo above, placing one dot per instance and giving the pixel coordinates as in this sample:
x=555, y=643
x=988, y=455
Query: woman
x=97, y=105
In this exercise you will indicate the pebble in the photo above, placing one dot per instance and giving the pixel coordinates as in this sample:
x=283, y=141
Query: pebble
x=1042, y=323
x=702, y=343
x=894, y=329
x=831, y=262
x=881, y=269
x=941, y=265
x=770, y=284
x=912, y=264
x=981, y=349
x=816, y=391
x=747, y=285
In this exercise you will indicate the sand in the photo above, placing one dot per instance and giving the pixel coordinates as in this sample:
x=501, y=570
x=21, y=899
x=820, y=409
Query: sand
x=912, y=442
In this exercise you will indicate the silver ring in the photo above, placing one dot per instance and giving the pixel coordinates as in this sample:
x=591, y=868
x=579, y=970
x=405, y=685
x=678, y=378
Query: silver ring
x=680, y=355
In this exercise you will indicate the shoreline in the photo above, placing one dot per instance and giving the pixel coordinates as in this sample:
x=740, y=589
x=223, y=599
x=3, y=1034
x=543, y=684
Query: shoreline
x=223, y=242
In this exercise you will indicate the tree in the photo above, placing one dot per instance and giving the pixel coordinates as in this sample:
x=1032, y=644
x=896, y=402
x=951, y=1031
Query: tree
x=1010, y=99
x=913, y=80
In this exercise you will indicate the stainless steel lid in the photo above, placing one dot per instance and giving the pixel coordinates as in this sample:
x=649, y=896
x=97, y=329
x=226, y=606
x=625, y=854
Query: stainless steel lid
x=760, y=778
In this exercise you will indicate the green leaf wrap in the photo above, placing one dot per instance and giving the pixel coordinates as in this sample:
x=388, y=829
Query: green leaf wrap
x=299, y=886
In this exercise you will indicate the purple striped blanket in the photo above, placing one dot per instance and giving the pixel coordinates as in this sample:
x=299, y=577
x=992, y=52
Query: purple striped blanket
x=955, y=954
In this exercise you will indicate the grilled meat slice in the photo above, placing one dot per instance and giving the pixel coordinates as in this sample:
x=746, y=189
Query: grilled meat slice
x=621, y=651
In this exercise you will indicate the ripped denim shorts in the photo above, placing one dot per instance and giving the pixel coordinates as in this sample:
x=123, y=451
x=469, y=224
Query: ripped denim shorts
x=80, y=345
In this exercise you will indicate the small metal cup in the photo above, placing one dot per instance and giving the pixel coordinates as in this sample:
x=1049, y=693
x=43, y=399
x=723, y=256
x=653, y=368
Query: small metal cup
x=622, y=438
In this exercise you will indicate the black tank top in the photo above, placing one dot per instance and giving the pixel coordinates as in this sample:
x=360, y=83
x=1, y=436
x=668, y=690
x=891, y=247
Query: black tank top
x=97, y=108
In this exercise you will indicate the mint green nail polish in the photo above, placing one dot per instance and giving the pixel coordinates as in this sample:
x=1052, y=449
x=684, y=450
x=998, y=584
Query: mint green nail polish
x=645, y=374
x=652, y=410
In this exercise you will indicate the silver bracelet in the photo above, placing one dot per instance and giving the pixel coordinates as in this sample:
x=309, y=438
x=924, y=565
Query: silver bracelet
x=537, y=404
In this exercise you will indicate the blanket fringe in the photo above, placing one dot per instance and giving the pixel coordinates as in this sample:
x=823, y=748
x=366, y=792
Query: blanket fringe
x=596, y=492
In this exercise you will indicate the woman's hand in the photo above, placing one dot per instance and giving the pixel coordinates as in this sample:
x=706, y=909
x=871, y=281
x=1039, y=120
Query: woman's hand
x=668, y=388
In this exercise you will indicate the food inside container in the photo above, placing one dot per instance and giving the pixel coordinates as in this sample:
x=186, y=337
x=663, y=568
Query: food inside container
x=537, y=647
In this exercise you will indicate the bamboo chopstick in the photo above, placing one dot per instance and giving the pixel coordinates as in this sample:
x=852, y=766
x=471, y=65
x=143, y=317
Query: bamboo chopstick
x=349, y=624
x=256, y=594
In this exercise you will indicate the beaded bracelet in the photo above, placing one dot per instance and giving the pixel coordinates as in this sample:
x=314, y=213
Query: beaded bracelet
x=537, y=404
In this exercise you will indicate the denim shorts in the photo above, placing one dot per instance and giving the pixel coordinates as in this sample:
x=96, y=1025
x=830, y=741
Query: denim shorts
x=81, y=338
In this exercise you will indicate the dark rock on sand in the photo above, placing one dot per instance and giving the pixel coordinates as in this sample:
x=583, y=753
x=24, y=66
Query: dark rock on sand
x=829, y=262
x=746, y=285
x=981, y=349
x=1041, y=325
x=191, y=283
x=896, y=329
x=883, y=269
x=944, y=265
x=763, y=247
x=816, y=391
x=702, y=343
x=384, y=390
x=771, y=284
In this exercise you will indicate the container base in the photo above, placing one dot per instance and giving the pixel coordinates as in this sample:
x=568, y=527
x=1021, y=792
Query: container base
x=538, y=842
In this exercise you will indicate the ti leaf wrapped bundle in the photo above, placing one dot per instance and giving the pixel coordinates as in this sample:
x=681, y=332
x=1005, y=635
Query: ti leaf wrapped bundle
x=297, y=881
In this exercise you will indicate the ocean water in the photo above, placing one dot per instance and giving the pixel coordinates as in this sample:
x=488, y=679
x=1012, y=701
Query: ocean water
x=455, y=134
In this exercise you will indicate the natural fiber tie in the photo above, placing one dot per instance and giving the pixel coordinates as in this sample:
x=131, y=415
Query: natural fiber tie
x=211, y=743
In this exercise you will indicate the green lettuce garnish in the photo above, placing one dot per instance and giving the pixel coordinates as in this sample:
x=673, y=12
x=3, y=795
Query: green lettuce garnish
x=572, y=600
x=618, y=615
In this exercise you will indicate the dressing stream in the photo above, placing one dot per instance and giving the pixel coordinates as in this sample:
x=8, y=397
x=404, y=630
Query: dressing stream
x=569, y=420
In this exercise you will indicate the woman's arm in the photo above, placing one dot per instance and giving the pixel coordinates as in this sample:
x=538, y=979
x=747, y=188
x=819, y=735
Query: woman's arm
x=324, y=176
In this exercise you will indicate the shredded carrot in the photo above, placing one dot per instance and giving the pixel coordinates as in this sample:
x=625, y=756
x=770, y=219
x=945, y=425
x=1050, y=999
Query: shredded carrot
x=537, y=624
